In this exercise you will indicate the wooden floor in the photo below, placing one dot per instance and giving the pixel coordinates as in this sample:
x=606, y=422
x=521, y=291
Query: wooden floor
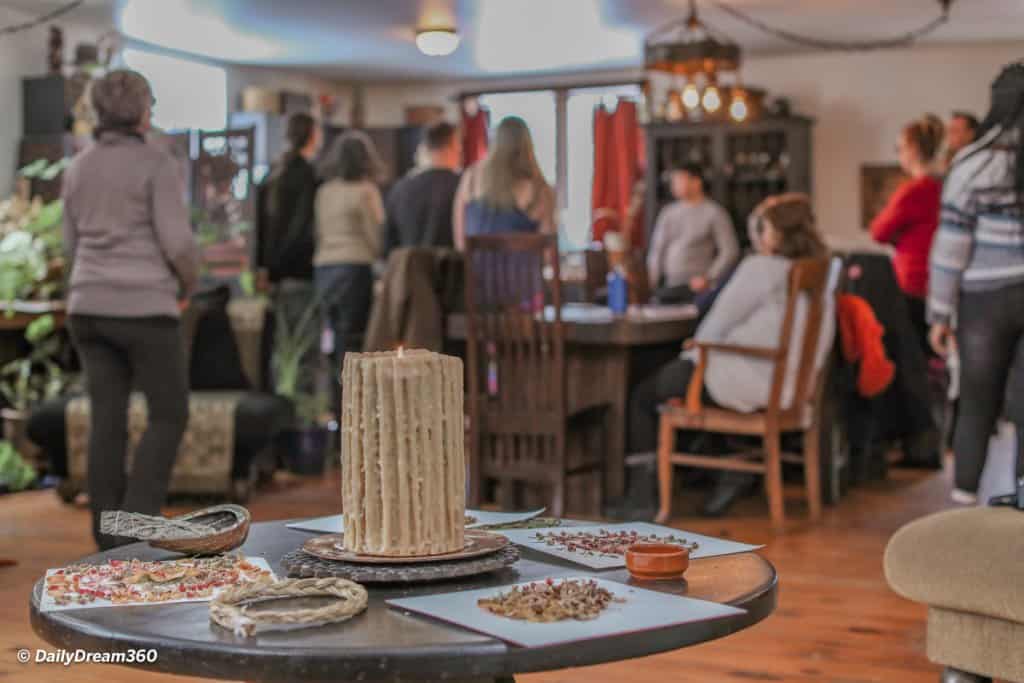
x=837, y=621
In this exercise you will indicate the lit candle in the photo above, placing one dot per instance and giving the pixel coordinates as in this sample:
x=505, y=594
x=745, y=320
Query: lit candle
x=403, y=471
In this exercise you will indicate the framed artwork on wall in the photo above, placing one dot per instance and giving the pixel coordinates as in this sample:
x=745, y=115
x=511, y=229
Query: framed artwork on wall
x=877, y=183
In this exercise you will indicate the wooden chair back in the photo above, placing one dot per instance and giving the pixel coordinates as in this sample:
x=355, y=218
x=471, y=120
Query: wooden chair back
x=808, y=281
x=515, y=353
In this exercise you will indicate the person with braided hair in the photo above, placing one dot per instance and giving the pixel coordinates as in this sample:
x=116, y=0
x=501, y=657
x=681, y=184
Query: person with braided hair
x=976, y=276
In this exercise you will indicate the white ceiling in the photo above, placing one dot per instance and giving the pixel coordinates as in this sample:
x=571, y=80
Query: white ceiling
x=373, y=39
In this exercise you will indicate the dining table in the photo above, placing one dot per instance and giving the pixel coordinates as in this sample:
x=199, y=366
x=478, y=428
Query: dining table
x=385, y=643
x=606, y=355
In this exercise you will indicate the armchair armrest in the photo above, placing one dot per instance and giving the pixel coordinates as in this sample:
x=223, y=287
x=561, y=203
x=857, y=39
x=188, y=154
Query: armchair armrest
x=755, y=351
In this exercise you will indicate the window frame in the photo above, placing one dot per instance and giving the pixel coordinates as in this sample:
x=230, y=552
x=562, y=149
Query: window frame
x=561, y=94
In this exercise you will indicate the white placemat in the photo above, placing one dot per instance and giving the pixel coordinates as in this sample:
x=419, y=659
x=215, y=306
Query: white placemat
x=486, y=518
x=641, y=610
x=48, y=604
x=707, y=546
x=331, y=524
x=335, y=524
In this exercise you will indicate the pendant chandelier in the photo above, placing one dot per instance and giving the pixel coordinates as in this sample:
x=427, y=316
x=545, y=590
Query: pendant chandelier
x=696, y=57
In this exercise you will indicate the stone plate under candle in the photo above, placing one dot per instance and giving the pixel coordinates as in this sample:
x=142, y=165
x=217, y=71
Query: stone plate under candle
x=478, y=543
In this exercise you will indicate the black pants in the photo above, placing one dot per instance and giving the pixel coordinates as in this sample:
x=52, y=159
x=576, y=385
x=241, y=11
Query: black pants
x=118, y=355
x=989, y=331
x=916, y=307
x=671, y=381
x=346, y=293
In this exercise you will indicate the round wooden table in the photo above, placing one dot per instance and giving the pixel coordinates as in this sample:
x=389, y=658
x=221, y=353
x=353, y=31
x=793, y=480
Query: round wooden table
x=384, y=643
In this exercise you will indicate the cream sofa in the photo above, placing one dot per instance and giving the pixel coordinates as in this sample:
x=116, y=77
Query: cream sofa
x=967, y=566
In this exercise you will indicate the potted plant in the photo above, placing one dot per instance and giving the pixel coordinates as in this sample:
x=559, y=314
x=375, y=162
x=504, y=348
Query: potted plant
x=30, y=380
x=302, y=448
x=306, y=445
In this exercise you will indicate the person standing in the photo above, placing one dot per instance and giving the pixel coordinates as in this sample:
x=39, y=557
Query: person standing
x=976, y=286
x=133, y=257
x=284, y=228
x=961, y=131
x=419, y=206
x=911, y=216
x=349, y=221
x=506, y=191
x=694, y=242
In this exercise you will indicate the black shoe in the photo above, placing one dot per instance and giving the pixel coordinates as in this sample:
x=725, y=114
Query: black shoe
x=921, y=451
x=731, y=487
x=638, y=505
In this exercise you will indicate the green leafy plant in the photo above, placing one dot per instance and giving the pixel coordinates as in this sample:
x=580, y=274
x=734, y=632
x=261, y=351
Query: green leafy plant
x=15, y=473
x=23, y=265
x=27, y=381
x=31, y=240
x=292, y=344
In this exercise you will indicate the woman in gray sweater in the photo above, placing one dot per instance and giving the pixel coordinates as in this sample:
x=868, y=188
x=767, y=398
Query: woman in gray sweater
x=133, y=258
x=748, y=312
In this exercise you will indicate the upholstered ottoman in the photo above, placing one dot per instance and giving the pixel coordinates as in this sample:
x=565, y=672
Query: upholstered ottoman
x=967, y=566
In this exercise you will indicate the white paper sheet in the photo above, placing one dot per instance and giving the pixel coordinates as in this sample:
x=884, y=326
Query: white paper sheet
x=335, y=524
x=47, y=603
x=642, y=610
x=708, y=546
x=486, y=518
x=331, y=524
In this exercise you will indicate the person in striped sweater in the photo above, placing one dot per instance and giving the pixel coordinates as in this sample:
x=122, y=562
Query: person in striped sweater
x=976, y=274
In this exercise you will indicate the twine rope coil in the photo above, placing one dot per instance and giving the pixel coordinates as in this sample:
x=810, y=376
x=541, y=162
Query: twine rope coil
x=148, y=527
x=228, y=611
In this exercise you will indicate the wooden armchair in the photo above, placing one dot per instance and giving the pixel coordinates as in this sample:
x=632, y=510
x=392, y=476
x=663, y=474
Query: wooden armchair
x=520, y=423
x=808, y=281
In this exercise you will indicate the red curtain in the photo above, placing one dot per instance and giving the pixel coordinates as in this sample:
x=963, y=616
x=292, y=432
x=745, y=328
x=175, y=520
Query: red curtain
x=474, y=135
x=617, y=163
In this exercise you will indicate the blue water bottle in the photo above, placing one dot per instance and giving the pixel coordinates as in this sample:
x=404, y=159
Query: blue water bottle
x=618, y=291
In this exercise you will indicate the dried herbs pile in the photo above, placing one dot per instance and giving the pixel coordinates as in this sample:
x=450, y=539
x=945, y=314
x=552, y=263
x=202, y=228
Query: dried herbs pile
x=549, y=601
x=613, y=543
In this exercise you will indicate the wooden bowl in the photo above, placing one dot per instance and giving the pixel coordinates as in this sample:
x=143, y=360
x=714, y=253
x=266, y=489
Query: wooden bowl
x=657, y=561
x=231, y=525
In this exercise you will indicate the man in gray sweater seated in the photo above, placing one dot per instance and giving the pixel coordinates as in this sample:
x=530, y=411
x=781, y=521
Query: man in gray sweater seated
x=694, y=242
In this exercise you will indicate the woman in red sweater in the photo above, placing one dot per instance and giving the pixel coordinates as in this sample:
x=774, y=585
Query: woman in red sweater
x=911, y=217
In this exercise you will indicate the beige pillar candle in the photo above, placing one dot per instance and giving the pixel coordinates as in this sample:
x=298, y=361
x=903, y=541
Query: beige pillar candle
x=403, y=465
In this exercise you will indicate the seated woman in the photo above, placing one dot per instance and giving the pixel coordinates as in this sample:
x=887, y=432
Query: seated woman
x=748, y=312
x=506, y=192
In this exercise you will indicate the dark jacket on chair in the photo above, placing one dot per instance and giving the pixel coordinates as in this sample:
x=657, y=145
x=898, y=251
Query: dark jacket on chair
x=419, y=287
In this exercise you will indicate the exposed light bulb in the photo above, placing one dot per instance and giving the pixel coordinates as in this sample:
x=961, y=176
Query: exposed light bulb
x=738, y=110
x=712, y=101
x=691, y=96
x=437, y=42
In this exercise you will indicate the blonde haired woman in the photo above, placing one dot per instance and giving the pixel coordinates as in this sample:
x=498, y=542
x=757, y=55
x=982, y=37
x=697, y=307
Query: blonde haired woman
x=506, y=192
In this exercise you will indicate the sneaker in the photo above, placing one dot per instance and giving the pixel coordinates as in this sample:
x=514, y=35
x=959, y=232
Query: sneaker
x=961, y=497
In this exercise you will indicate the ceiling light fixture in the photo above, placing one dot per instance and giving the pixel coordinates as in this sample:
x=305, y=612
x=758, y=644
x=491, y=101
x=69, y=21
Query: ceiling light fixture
x=437, y=42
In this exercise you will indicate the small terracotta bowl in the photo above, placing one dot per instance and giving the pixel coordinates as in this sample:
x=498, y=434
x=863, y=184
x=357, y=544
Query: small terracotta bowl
x=657, y=561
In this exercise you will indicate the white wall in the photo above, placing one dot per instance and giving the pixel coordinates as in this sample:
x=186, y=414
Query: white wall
x=860, y=102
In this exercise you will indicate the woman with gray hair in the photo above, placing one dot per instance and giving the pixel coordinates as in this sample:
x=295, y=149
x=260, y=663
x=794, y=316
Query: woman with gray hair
x=133, y=257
